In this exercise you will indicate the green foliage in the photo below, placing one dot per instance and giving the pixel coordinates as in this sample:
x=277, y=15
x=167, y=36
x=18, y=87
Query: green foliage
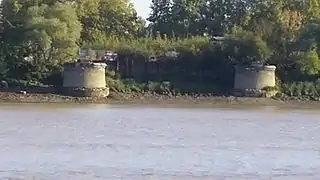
x=303, y=90
x=3, y=68
x=130, y=85
x=183, y=18
x=149, y=46
x=53, y=32
x=101, y=18
x=160, y=88
x=309, y=62
x=45, y=34
x=161, y=17
x=247, y=48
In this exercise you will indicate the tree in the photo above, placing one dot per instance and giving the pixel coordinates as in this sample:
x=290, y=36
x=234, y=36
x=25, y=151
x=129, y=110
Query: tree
x=219, y=16
x=309, y=62
x=101, y=18
x=307, y=52
x=187, y=17
x=245, y=48
x=313, y=9
x=14, y=50
x=3, y=65
x=52, y=32
x=161, y=17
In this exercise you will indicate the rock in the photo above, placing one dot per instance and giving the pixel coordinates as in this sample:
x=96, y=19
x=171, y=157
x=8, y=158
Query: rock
x=23, y=92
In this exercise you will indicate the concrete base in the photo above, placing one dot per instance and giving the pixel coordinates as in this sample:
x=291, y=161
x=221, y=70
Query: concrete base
x=254, y=93
x=86, y=92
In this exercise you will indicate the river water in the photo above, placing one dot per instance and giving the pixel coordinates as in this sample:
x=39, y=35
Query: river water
x=135, y=143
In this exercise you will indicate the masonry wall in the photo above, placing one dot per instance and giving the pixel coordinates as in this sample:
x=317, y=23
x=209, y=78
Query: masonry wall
x=84, y=75
x=85, y=79
x=256, y=77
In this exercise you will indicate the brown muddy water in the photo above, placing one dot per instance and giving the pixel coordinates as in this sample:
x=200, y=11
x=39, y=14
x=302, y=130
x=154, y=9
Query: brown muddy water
x=136, y=143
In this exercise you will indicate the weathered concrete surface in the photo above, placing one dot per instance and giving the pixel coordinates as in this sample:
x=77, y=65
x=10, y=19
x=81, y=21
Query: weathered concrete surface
x=84, y=75
x=256, y=77
x=85, y=79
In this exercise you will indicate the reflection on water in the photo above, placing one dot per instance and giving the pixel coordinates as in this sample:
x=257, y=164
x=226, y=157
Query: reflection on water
x=116, y=142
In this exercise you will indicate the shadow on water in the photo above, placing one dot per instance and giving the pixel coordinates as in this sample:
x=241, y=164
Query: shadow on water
x=171, y=107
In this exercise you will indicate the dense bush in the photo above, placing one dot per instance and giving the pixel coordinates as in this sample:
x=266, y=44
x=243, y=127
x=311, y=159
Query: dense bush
x=163, y=88
x=304, y=90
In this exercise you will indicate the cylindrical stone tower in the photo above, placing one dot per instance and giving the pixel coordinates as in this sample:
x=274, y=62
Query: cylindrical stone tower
x=254, y=77
x=85, y=79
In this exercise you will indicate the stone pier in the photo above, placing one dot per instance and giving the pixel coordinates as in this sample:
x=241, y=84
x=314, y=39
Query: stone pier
x=85, y=79
x=254, y=80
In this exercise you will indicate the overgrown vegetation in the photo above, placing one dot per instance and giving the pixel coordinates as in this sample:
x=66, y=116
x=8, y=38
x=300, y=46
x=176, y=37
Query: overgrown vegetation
x=37, y=37
x=302, y=90
x=162, y=88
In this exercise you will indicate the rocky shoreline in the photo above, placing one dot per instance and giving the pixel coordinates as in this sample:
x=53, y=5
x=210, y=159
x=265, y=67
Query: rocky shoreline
x=154, y=99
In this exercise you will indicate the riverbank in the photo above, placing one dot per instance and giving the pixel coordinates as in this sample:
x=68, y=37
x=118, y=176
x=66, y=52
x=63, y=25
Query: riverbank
x=154, y=99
